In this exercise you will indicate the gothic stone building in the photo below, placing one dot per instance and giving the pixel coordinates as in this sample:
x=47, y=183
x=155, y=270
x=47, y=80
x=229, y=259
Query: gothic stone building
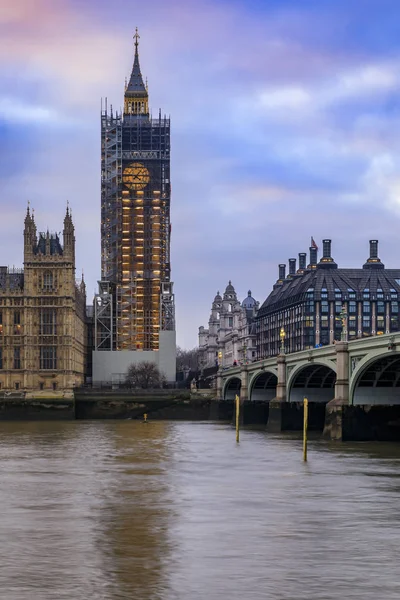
x=312, y=305
x=42, y=315
x=230, y=338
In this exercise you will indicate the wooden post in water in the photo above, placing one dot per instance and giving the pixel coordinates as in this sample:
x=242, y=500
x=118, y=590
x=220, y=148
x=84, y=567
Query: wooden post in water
x=305, y=428
x=237, y=399
x=145, y=417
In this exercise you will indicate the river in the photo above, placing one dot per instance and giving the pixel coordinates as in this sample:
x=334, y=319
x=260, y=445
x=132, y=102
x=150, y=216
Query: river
x=178, y=511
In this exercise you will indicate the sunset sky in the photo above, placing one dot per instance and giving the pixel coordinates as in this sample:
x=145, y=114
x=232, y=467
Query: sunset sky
x=285, y=119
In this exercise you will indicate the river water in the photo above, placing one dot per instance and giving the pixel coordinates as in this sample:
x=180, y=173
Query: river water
x=178, y=511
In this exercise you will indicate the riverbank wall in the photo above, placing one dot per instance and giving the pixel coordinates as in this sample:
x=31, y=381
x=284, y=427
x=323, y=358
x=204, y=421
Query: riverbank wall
x=334, y=422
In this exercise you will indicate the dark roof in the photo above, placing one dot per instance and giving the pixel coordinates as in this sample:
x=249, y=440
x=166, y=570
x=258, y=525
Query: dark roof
x=55, y=245
x=293, y=290
x=15, y=278
x=249, y=302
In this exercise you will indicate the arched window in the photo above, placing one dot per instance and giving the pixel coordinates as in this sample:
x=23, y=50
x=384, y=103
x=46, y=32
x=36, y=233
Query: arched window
x=47, y=280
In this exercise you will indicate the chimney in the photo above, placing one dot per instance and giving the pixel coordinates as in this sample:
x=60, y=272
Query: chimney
x=327, y=261
x=373, y=248
x=292, y=266
x=313, y=257
x=326, y=248
x=373, y=262
x=282, y=272
x=302, y=261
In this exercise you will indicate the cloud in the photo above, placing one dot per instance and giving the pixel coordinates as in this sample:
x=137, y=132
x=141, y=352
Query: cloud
x=285, y=124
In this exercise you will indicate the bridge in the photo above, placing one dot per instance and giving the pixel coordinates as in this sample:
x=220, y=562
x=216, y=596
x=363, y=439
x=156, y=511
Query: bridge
x=343, y=376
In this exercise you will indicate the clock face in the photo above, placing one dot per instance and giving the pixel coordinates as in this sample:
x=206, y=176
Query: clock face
x=135, y=176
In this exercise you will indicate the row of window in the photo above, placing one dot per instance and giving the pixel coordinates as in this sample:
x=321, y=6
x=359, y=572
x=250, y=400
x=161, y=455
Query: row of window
x=17, y=385
x=47, y=358
x=47, y=323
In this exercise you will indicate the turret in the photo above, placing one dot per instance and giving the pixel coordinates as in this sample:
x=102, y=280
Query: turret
x=69, y=235
x=30, y=240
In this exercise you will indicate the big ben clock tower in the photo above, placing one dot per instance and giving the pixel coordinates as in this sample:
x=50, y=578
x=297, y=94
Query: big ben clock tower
x=135, y=305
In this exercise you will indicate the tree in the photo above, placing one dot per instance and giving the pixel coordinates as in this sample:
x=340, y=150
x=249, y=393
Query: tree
x=187, y=359
x=145, y=375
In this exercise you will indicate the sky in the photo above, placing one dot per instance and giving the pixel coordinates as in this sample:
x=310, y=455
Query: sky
x=285, y=124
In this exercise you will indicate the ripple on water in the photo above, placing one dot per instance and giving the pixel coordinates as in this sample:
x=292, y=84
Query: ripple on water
x=178, y=511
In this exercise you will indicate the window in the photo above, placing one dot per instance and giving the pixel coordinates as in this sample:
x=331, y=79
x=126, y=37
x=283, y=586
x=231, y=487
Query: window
x=41, y=385
x=1, y=358
x=324, y=338
x=17, y=357
x=47, y=280
x=17, y=317
x=324, y=321
x=48, y=357
x=230, y=321
x=380, y=307
x=366, y=322
x=352, y=307
x=309, y=308
x=324, y=306
x=380, y=323
x=47, y=322
x=17, y=385
x=309, y=321
x=366, y=308
x=54, y=385
x=338, y=307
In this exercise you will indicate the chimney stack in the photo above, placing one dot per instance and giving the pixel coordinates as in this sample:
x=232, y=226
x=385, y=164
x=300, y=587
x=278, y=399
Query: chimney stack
x=373, y=262
x=313, y=257
x=282, y=272
x=327, y=261
x=373, y=248
x=302, y=261
x=326, y=248
x=292, y=266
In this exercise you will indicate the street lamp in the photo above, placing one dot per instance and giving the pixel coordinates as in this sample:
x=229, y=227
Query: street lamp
x=282, y=335
x=343, y=318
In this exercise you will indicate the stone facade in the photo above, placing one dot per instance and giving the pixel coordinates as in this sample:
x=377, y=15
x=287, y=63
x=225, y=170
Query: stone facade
x=230, y=338
x=42, y=315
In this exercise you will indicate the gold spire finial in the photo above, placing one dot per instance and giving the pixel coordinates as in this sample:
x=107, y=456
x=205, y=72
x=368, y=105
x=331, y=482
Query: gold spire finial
x=136, y=37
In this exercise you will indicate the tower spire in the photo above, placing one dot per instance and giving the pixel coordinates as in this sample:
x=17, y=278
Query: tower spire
x=136, y=96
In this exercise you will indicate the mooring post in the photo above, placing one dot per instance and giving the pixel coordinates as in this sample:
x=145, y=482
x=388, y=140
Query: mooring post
x=305, y=428
x=237, y=400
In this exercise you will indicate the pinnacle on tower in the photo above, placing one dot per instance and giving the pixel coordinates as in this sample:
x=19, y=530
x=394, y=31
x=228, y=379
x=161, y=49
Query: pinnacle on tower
x=136, y=83
x=136, y=96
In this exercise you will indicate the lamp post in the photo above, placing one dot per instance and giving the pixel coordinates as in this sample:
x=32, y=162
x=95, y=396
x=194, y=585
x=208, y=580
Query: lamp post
x=343, y=318
x=282, y=335
x=245, y=354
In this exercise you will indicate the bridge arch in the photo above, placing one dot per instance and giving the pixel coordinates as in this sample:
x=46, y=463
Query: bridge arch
x=376, y=379
x=262, y=387
x=314, y=380
x=232, y=388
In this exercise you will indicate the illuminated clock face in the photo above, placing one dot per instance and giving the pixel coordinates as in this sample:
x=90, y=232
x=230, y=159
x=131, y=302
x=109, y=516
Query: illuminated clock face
x=135, y=176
